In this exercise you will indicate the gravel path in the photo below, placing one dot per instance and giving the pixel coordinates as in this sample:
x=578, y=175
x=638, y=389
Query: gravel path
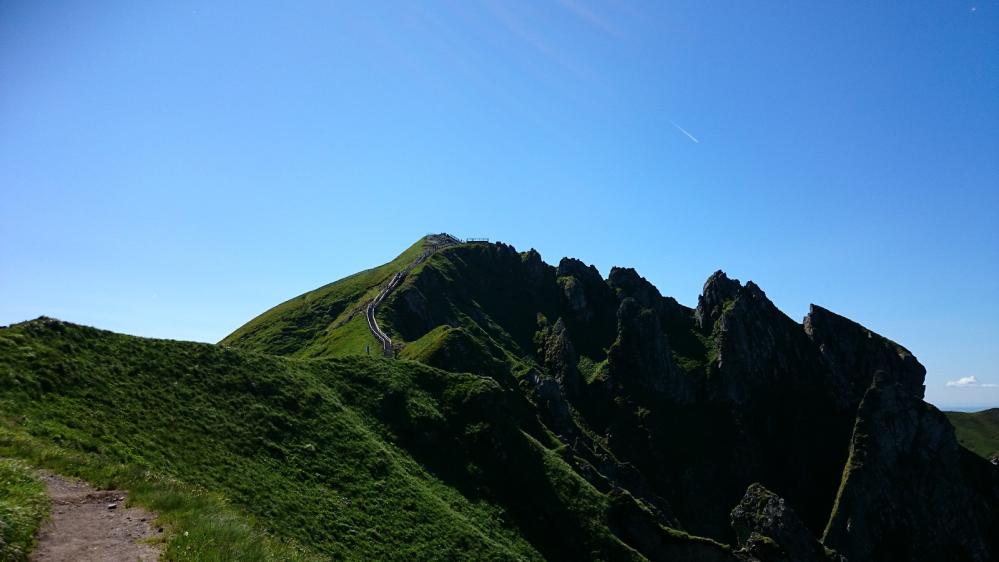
x=88, y=525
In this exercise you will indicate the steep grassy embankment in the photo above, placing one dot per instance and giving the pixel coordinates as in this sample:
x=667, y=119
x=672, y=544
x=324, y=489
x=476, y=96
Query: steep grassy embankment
x=356, y=457
x=274, y=436
x=978, y=431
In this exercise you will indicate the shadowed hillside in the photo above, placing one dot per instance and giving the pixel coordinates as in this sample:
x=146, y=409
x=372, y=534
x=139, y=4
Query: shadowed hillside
x=685, y=408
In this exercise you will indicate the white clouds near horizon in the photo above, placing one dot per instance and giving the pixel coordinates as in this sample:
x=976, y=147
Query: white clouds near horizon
x=970, y=382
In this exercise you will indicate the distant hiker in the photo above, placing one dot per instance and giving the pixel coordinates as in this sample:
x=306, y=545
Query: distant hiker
x=367, y=347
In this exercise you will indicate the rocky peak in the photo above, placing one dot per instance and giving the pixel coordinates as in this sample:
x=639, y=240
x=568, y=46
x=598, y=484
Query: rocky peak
x=579, y=284
x=535, y=268
x=571, y=267
x=587, y=304
x=718, y=291
x=853, y=354
x=757, y=344
x=626, y=282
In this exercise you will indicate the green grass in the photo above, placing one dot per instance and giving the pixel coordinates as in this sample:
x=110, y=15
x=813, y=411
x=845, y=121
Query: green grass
x=307, y=450
x=330, y=321
x=353, y=337
x=248, y=456
x=199, y=525
x=977, y=431
x=23, y=506
x=428, y=345
x=316, y=322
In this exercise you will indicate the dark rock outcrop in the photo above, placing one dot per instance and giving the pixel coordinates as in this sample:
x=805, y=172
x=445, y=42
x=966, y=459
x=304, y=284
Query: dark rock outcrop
x=558, y=382
x=580, y=285
x=757, y=347
x=641, y=357
x=905, y=493
x=626, y=282
x=559, y=357
x=854, y=353
x=588, y=305
x=719, y=291
x=767, y=528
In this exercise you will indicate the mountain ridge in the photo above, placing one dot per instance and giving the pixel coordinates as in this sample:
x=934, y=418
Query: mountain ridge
x=608, y=360
x=560, y=415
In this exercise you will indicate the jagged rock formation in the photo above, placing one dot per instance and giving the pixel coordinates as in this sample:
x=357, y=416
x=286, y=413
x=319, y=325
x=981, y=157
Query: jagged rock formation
x=905, y=492
x=641, y=359
x=854, y=353
x=559, y=357
x=766, y=527
x=681, y=410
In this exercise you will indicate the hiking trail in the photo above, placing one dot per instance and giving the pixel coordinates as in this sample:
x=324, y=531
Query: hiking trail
x=432, y=243
x=90, y=525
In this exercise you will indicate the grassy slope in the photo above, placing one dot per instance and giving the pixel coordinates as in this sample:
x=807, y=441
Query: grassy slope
x=978, y=431
x=352, y=457
x=23, y=506
x=274, y=436
x=199, y=524
x=319, y=323
x=304, y=325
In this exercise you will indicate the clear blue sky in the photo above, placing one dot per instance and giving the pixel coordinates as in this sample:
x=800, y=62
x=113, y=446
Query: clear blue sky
x=172, y=169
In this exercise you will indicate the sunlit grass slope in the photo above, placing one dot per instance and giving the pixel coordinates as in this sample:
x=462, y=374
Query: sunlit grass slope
x=275, y=437
x=327, y=321
x=978, y=431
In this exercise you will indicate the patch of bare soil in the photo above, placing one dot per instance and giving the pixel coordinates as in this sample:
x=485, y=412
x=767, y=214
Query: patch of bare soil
x=89, y=525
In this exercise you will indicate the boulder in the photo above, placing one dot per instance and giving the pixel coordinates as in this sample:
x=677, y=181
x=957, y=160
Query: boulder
x=767, y=528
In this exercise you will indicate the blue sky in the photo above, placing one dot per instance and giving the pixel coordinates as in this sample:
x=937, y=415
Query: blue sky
x=173, y=169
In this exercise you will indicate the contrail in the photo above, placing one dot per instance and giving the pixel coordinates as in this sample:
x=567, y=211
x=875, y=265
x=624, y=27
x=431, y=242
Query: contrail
x=684, y=131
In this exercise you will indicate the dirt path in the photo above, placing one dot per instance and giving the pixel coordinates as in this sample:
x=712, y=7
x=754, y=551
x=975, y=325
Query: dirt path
x=93, y=526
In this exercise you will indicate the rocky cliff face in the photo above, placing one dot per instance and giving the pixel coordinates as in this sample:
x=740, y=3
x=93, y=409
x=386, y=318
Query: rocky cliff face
x=853, y=354
x=729, y=421
x=905, y=492
x=640, y=360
